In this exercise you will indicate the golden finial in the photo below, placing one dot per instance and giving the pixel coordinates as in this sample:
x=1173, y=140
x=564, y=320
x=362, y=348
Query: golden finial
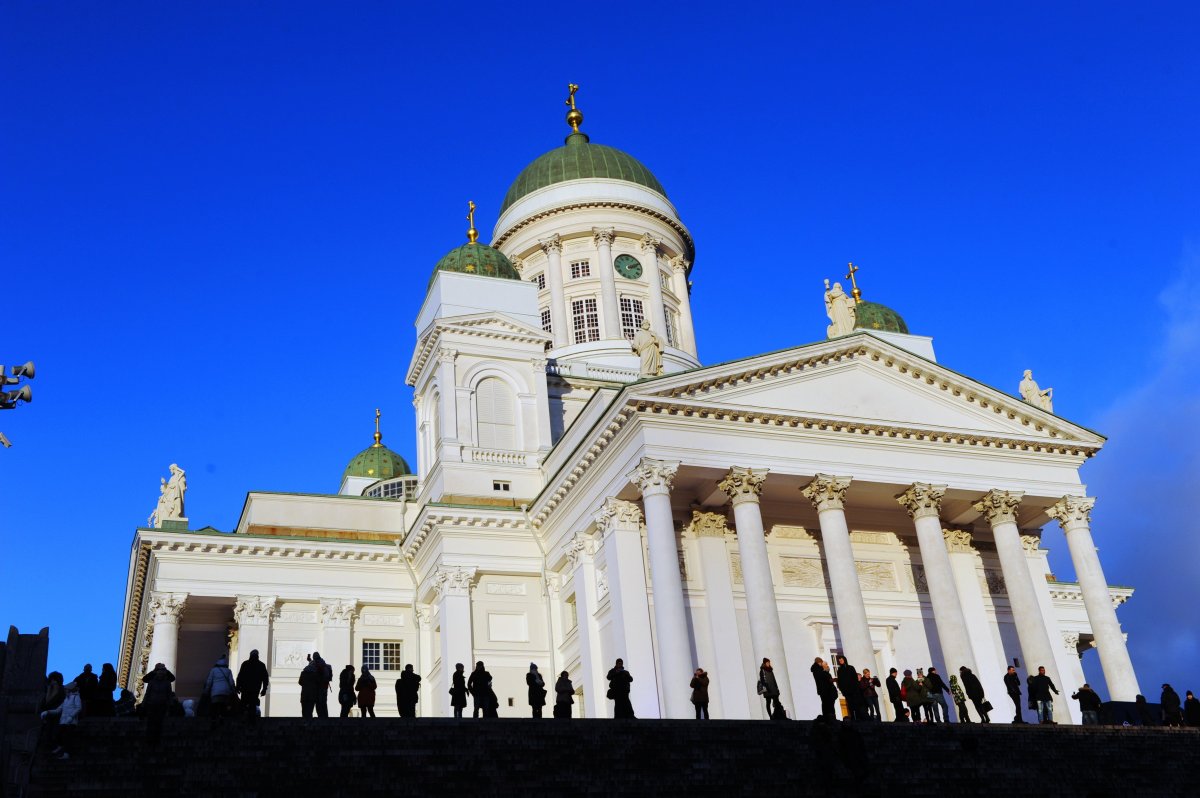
x=574, y=116
x=378, y=435
x=854, y=283
x=472, y=234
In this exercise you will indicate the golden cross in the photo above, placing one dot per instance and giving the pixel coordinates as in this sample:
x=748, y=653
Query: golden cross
x=378, y=437
x=572, y=87
x=472, y=233
x=854, y=283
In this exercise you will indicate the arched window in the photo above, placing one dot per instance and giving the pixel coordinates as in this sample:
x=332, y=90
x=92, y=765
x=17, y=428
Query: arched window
x=495, y=412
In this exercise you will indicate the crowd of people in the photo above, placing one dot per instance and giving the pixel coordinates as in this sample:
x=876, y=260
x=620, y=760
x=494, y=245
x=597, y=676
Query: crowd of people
x=919, y=697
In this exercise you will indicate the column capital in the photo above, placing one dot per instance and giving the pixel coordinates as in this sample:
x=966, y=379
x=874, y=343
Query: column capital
x=337, y=612
x=539, y=364
x=553, y=244
x=603, y=236
x=922, y=500
x=618, y=514
x=553, y=583
x=654, y=476
x=1072, y=511
x=424, y=614
x=708, y=525
x=999, y=506
x=454, y=581
x=254, y=610
x=447, y=355
x=743, y=484
x=649, y=245
x=1031, y=543
x=680, y=265
x=959, y=541
x=827, y=492
x=167, y=607
x=518, y=263
x=582, y=546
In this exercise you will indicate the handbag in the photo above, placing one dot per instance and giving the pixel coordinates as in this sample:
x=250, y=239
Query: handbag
x=986, y=706
x=762, y=688
x=610, y=693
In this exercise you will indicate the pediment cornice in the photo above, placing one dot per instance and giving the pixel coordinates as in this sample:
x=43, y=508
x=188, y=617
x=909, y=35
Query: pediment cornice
x=465, y=518
x=495, y=326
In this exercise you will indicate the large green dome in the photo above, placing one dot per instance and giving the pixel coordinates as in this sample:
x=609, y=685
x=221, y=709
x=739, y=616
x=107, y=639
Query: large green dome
x=579, y=159
x=377, y=462
x=873, y=316
x=472, y=258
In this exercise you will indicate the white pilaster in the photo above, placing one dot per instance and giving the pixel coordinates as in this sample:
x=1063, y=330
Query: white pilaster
x=165, y=610
x=453, y=586
x=541, y=392
x=658, y=321
x=827, y=494
x=679, y=283
x=625, y=569
x=610, y=310
x=1074, y=514
x=581, y=554
x=559, y=323
x=253, y=615
x=729, y=700
x=447, y=436
x=336, y=617
x=923, y=502
x=999, y=507
x=743, y=486
x=653, y=478
x=424, y=616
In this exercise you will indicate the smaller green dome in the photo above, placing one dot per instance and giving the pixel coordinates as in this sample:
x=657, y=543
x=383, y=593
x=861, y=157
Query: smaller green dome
x=377, y=462
x=873, y=316
x=472, y=258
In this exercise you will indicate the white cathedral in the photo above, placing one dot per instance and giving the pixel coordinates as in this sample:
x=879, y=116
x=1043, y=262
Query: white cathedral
x=568, y=508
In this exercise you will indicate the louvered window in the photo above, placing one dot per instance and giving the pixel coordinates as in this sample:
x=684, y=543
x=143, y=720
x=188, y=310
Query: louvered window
x=495, y=408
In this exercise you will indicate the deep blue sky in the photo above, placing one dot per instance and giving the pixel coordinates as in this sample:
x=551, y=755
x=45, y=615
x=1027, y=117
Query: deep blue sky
x=218, y=219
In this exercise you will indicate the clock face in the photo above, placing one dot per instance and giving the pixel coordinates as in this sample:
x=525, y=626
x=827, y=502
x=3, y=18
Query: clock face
x=628, y=266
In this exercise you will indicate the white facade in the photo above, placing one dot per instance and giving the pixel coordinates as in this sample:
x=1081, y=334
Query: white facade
x=844, y=495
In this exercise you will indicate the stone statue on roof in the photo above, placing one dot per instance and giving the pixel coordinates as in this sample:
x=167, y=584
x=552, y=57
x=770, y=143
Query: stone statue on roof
x=648, y=347
x=170, y=498
x=840, y=307
x=1034, y=394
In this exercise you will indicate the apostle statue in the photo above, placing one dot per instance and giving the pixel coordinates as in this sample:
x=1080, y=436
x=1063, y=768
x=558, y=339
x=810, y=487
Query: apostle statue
x=170, y=498
x=1035, y=395
x=648, y=347
x=841, y=310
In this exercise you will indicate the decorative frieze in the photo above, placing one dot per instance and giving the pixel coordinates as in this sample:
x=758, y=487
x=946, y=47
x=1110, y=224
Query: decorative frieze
x=878, y=576
x=505, y=589
x=296, y=616
x=917, y=579
x=381, y=619
x=999, y=506
x=922, y=500
x=293, y=654
x=827, y=492
x=743, y=484
x=803, y=572
x=735, y=568
x=876, y=538
x=792, y=532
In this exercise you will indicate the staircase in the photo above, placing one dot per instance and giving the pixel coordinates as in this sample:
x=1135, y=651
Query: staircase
x=353, y=757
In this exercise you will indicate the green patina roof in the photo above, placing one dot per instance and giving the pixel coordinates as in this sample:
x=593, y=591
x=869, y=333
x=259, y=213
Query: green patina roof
x=377, y=462
x=578, y=159
x=873, y=316
x=476, y=259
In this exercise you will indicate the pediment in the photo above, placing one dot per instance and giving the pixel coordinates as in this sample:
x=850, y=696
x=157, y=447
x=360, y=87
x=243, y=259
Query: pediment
x=497, y=326
x=870, y=383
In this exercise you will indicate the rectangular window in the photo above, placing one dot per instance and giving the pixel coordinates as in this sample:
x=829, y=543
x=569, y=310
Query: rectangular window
x=585, y=320
x=381, y=655
x=580, y=268
x=503, y=487
x=546, y=325
x=541, y=281
x=631, y=316
x=670, y=320
x=664, y=281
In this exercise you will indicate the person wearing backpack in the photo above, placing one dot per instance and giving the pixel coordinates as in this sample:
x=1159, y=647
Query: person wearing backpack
x=220, y=689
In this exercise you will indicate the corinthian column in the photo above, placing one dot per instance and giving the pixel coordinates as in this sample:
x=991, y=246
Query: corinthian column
x=337, y=615
x=828, y=494
x=732, y=701
x=654, y=478
x=658, y=320
x=552, y=246
x=999, y=507
x=1074, y=514
x=679, y=283
x=923, y=502
x=743, y=486
x=610, y=309
x=453, y=588
x=164, y=611
x=625, y=570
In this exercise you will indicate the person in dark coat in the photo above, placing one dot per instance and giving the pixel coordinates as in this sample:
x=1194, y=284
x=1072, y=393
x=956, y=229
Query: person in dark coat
x=894, y=697
x=480, y=688
x=699, y=687
x=768, y=688
x=537, y=690
x=564, y=695
x=458, y=690
x=851, y=690
x=1144, y=717
x=914, y=694
x=310, y=682
x=126, y=705
x=937, y=691
x=366, y=687
x=324, y=679
x=869, y=686
x=157, y=700
x=89, y=689
x=1040, y=688
x=408, y=687
x=1012, y=683
x=220, y=689
x=55, y=693
x=826, y=689
x=252, y=683
x=1171, y=708
x=346, y=696
x=974, y=690
x=619, y=681
x=102, y=704
x=1191, y=710
x=1089, y=705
